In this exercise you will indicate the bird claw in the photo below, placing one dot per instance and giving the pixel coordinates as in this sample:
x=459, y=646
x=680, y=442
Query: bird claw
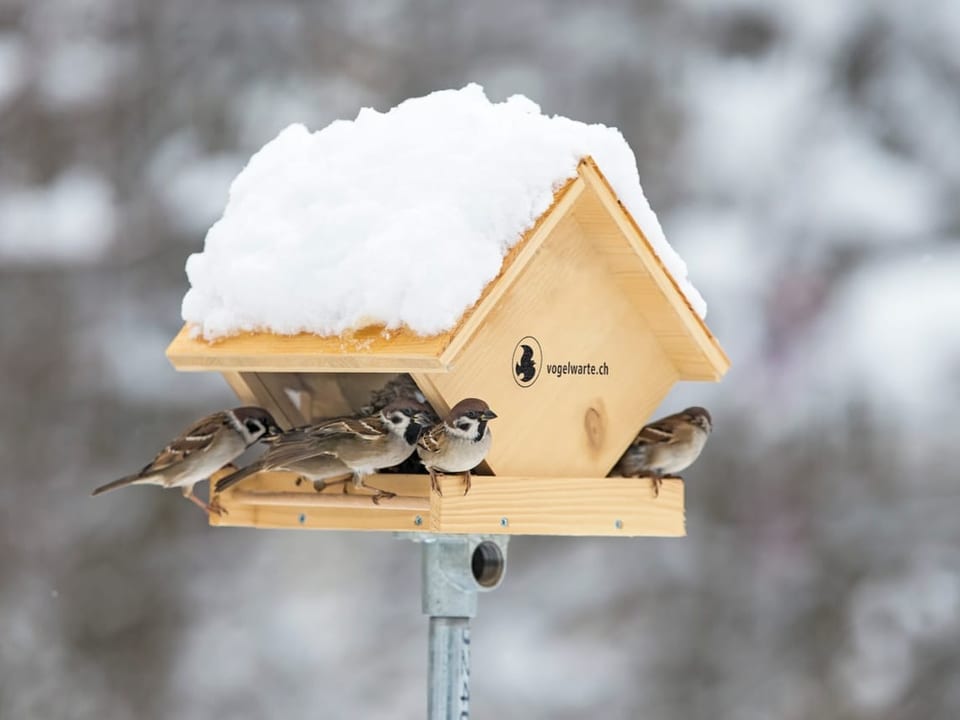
x=435, y=483
x=467, y=483
x=215, y=508
x=658, y=482
x=382, y=494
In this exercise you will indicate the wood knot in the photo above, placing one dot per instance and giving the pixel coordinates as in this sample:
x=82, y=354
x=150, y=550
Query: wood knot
x=593, y=424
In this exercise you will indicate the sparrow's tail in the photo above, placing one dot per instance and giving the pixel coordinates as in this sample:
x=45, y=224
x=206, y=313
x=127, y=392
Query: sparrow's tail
x=122, y=482
x=233, y=478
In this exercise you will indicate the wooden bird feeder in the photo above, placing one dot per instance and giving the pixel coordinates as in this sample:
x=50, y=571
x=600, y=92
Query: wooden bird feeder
x=574, y=344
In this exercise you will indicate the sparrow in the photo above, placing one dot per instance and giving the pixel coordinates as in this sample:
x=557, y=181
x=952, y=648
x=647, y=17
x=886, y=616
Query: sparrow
x=459, y=443
x=343, y=446
x=666, y=446
x=200, y=450
x=400, y=386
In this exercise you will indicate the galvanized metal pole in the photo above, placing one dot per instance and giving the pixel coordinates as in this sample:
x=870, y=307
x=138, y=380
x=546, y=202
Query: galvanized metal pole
x=448, y=668
x=455, y=569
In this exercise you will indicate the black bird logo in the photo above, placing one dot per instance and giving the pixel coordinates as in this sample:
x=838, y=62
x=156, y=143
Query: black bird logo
x=526, y=368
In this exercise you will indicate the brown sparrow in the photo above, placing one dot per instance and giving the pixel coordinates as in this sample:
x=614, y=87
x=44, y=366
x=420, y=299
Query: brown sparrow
x=200, y=450
x=343, y=446
x=666, y=446
x=459, y=443
x=401, y=386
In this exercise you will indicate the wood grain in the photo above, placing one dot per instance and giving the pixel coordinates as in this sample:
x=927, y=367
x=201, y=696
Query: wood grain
x=619, y=507
x=560, y=506
x=273, y=500
x=241, y=388
x=327, y=500
x=574, y=425
x=631, y=259
x=514, y=264
x=366, y=350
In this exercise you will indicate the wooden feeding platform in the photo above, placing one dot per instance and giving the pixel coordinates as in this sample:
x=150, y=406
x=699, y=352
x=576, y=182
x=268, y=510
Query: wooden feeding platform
x=574, y=345
x=495, y=505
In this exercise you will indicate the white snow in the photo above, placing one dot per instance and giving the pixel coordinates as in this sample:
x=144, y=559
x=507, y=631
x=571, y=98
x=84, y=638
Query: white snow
x=399, y=218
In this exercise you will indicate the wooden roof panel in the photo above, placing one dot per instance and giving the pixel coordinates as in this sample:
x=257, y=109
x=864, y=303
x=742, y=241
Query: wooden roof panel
x=632, y=261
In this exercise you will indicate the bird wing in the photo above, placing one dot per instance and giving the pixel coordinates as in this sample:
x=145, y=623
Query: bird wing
x=278, y=456
x=289, y=455
x=197, y=438
x=369, y=428
x=431, y=440
x=656, y=433
x=309, y=441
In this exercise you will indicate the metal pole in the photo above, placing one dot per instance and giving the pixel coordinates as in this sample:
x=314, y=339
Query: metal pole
x=455, y=569
x=448, y=668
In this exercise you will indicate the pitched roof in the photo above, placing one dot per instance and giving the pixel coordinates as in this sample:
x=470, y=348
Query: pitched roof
x=608, y=226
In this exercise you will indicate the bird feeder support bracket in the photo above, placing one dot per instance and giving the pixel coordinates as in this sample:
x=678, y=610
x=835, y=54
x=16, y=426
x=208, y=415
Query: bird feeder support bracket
x=455, y=569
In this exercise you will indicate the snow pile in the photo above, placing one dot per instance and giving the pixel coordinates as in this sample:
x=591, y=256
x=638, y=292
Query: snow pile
x=399, y=218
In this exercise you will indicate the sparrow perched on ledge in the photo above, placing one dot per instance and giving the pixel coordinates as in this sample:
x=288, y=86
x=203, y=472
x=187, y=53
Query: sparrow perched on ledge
x=400, y=386
x=459, y=443
x=666, y=446
x=200, y=450
x=343, y=447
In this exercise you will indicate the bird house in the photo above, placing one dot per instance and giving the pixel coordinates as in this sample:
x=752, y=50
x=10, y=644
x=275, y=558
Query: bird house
x=574, y=344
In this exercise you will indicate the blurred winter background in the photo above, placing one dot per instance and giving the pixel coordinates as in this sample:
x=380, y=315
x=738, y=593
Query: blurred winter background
x=804, y=157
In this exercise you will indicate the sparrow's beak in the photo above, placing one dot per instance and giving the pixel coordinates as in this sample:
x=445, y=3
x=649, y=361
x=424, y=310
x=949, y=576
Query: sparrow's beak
x=488, y=415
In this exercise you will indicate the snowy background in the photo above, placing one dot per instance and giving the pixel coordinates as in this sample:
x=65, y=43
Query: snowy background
x=805, y=160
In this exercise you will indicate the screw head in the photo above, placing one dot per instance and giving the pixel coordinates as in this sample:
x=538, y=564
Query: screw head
x=302, y=518
x=618, y=524
x=418, y=520
x=504, y=522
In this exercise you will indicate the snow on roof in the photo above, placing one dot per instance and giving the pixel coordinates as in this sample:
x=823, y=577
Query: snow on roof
x=399, y=218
